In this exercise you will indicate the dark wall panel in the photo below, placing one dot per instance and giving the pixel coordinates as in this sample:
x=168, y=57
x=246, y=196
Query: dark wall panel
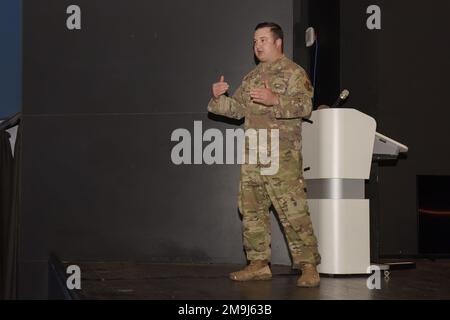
x=139, y=56
x=107, y=189
x=324, y=16
x=398, y=75
x=100, y=105
x=359, y=57
x=414, y=68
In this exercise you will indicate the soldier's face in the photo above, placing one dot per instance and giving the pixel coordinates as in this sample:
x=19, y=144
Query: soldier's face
x=266, y=48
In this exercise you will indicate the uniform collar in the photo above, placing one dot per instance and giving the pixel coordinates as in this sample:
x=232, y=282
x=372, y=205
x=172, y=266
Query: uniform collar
x=270, y=65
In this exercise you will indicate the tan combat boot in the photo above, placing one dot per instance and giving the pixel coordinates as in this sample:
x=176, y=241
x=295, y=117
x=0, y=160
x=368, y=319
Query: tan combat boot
x=256, y=270
x=310, y=277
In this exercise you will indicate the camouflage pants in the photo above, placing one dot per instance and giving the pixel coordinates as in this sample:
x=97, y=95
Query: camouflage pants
x=286, y=192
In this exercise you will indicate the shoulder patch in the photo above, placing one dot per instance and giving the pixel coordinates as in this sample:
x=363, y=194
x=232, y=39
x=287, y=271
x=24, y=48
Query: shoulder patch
x=307, y=84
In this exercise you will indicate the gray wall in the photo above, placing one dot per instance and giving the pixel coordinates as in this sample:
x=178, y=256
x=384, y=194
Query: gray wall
x=100, y=105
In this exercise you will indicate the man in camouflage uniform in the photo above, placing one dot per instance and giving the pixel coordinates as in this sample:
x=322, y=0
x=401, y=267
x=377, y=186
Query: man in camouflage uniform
x=275, y=95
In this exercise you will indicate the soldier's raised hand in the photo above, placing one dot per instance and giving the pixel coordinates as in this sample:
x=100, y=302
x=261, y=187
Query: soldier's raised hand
x=219, y=88
x=264, y=95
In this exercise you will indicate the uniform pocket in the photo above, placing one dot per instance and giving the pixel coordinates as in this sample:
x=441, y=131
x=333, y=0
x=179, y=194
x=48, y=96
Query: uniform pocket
x=279, y=87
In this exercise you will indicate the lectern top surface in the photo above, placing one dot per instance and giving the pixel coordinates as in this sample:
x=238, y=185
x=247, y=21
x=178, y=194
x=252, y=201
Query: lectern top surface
x=402, y=147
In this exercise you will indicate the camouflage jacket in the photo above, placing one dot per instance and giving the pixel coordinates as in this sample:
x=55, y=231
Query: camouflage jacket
x=293, y=87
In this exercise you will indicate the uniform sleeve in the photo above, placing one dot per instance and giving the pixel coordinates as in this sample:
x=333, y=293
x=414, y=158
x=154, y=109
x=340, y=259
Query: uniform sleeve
x=229, y=107
x=296, y=101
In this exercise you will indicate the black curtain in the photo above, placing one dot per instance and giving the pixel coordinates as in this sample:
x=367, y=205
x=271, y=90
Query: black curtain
x=9, y=214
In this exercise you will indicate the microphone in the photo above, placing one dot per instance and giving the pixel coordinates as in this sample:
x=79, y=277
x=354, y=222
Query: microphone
x=342, y=97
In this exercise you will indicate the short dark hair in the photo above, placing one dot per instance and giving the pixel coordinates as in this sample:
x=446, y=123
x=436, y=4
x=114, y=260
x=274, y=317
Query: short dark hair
x=275, y=28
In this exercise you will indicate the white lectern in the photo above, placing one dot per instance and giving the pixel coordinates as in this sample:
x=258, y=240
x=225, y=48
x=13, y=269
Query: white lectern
x=338, y=146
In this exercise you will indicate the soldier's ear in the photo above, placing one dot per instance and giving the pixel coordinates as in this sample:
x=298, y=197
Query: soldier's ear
x=279, y=43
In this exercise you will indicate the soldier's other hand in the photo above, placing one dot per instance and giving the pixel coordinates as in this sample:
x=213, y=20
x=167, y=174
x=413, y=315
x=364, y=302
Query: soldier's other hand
x=264, y=95
x=220, y=88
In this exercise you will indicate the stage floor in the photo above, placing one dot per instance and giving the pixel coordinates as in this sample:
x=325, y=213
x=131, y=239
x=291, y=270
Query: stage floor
x=429, y=280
